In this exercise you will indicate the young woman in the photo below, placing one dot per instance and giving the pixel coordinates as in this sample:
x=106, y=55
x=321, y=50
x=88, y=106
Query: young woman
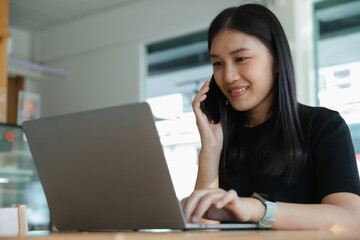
x=301, y=157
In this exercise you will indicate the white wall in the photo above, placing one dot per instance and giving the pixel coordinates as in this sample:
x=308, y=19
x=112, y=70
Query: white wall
x=23, y=48
x=22, y=41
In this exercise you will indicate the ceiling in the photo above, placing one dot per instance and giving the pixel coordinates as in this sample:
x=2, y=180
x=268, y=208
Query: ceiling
x=43, y=14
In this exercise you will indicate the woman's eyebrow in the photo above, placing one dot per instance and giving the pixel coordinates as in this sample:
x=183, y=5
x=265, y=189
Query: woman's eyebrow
x=231, y=53
x=239, y=50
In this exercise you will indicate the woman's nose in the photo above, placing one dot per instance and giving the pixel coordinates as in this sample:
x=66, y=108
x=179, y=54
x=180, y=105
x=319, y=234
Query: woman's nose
x=231, y=74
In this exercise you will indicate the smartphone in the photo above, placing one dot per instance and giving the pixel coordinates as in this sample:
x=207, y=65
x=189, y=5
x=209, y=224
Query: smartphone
x=210, y=106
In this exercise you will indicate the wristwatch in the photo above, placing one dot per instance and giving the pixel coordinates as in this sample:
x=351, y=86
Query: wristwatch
x=270, y=205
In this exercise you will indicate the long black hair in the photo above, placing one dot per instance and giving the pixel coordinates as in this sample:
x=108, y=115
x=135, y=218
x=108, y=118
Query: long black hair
x=284, y=146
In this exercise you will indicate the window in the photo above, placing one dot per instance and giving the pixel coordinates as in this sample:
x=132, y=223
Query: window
x=337, y=38
x=176, y=70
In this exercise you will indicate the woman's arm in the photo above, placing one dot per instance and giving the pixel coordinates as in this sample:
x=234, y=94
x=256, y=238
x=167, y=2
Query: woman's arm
x=338, y=211
x=208, y=168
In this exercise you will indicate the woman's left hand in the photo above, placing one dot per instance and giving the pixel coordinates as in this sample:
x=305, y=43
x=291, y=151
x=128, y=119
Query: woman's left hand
x=221, y=205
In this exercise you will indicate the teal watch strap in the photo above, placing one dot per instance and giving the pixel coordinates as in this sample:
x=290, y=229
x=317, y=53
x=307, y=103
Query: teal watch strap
x=270, y=212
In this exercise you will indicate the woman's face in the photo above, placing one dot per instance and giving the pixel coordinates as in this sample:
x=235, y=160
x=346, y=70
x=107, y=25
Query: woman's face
x=243, y=70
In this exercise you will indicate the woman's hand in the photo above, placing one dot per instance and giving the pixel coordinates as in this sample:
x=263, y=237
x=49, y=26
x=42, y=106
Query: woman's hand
x=221, y=205
x=211, y=134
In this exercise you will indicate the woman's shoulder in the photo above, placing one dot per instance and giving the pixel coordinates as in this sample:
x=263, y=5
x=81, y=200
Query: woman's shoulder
x=319, y=117
x=316, y=113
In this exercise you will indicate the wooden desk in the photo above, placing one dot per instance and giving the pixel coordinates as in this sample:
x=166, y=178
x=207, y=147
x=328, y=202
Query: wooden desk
x=248, y=235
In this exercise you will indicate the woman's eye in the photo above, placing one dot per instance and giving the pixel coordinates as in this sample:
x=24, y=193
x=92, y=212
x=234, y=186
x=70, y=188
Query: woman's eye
x=216, y=64
x=240, y=59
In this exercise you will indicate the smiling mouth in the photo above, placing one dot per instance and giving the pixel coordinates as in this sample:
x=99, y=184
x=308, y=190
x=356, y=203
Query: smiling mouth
x=238, y=90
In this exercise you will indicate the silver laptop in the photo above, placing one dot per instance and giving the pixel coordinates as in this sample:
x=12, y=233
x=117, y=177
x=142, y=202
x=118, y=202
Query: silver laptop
x=105, y=170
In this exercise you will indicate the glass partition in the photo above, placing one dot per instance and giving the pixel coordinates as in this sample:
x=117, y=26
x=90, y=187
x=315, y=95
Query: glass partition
x=19, y=182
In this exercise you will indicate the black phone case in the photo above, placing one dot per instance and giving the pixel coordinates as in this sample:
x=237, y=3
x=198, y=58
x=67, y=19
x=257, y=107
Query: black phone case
x=210, y=106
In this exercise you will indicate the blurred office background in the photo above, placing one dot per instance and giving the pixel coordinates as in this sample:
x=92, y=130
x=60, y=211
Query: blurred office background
x=87, y=54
